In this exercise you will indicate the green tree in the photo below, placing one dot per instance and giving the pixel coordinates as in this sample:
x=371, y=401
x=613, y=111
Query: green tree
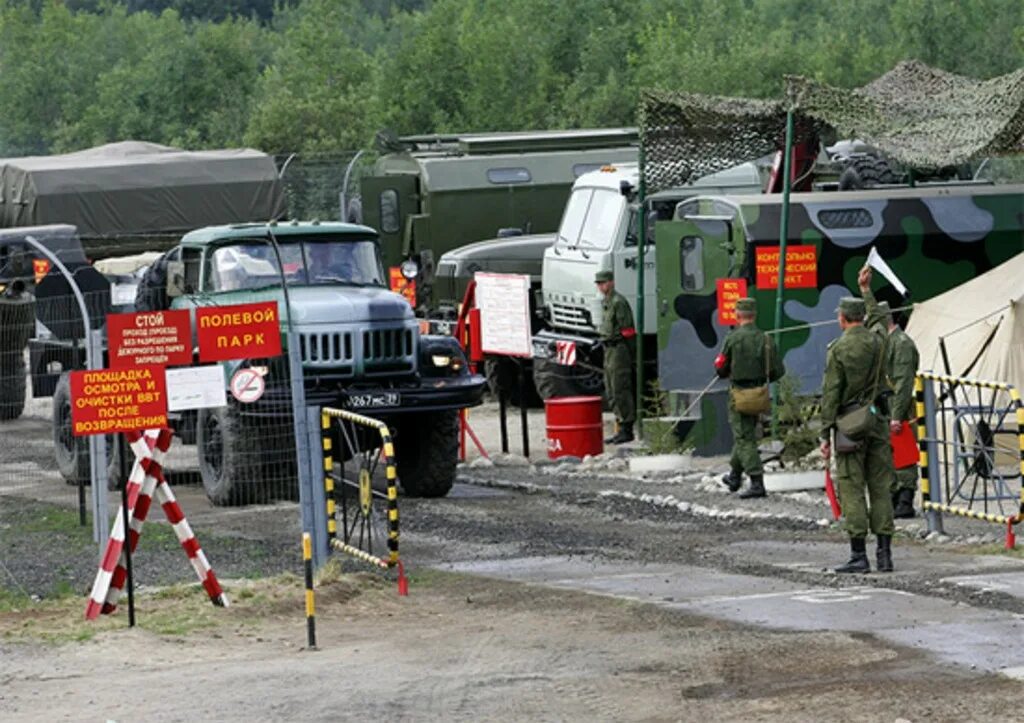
x=319, y=91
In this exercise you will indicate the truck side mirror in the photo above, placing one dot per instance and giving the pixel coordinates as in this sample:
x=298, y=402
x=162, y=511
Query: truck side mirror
x=175, y=278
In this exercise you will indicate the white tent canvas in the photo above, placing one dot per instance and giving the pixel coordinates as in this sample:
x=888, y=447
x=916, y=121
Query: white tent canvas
x=982, y=325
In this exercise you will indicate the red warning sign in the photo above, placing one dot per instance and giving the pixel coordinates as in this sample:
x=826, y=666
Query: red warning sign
x=152, y=337
x=243, y=331
x=104, y=401
x=729, y=292
x=40, y=268
x=801, y=267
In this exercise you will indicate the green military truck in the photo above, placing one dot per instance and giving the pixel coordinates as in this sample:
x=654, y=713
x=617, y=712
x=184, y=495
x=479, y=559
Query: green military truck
x=360, y=345
x=427, y=195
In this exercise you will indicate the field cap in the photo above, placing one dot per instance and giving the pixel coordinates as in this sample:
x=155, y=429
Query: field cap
x=603, y=276
x=851, y=306
x=746, y=305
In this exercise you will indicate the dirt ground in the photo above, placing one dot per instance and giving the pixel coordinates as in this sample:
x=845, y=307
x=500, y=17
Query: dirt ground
x=463, y=648
x=469, y=647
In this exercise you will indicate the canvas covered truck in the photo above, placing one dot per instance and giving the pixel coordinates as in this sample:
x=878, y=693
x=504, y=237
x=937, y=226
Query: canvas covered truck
x=429, y=194
x=934, y=234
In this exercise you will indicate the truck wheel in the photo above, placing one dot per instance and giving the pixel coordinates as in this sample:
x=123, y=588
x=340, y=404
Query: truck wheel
x=557, y=380
x=229, y=457
x=12, y=384
x=71, y=452
x=503, y=375
x=865, y=172
x=427, y=451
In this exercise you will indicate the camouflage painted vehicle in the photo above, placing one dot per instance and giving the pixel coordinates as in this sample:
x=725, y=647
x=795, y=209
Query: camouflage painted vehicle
x=934, y=237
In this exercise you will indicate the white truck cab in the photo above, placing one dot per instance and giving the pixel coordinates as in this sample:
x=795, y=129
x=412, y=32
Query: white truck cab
x=599, y=231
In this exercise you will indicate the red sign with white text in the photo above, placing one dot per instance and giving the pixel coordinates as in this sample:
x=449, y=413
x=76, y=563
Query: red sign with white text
x=106, y=401
x=801, y=267
x=729, y=291
x=401, y=285
x=243, y=331
x=150, y=337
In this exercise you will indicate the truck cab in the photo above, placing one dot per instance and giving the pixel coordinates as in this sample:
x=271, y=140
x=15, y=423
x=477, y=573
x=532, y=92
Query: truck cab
x=599, y=231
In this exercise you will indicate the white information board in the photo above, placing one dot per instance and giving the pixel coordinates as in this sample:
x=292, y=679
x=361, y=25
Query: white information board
x=195, y=387
x=504, y=303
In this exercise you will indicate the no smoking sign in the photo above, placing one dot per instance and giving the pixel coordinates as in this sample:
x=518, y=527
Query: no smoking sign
x=247, y=385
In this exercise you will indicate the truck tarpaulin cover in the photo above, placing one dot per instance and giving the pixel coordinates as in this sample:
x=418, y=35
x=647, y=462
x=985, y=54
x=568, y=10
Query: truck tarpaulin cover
x=134, y=188
x=922, y=117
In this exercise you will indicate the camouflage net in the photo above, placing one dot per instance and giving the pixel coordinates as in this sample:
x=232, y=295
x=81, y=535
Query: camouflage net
x=921, y=117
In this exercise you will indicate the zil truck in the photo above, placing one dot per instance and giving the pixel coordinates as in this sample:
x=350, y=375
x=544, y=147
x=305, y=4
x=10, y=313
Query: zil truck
x=933, y=235
x=360, y=345
x=429, y=194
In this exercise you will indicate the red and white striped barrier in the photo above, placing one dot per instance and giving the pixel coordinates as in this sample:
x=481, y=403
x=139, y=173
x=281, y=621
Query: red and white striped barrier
x=146, y=478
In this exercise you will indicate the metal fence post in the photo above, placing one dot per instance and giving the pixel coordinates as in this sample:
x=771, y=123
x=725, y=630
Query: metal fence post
x=934, y=517
x=312, y=495
x=98, y=457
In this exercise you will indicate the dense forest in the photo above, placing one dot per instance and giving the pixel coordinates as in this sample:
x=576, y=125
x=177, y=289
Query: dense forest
x=319, y=76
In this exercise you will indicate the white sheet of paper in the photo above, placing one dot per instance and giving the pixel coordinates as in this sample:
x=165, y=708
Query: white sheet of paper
x=195, y=387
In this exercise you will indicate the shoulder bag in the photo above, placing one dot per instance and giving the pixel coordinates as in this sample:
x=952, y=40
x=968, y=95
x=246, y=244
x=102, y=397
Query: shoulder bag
x=858, y=417
x=754, y=400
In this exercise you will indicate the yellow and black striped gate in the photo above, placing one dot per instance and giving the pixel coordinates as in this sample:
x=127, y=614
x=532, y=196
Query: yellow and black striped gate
x=362, y=520
x=971, y=440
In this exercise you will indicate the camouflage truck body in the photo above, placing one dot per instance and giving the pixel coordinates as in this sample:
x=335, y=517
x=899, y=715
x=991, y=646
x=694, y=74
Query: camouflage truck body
x=933, y=237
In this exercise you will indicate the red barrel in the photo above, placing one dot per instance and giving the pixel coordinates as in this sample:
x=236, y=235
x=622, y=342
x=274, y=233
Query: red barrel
x=573, y=426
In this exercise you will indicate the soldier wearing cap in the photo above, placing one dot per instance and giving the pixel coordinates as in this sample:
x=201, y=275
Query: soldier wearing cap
x=618, y=336
x=901, y=361
x=852, y=372
x=748, y=359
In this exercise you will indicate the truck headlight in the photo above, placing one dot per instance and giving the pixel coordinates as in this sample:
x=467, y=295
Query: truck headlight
x=441, y=360
x=410, y=269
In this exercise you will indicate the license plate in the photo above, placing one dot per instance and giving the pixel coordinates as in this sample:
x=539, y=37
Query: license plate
x=374, y=400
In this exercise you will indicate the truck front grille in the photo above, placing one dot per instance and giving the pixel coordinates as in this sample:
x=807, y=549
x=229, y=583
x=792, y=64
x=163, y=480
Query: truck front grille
x=326, y=350
x=563, y=315
x=388, y=350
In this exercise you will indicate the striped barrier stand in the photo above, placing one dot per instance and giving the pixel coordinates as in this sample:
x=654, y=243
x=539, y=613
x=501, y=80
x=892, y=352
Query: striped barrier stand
x=1009, y=520
x=149, y=449
x=307, y=564
x=112, y=564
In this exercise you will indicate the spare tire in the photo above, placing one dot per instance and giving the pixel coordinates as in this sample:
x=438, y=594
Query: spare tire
x=865, y=172
x=151, y=294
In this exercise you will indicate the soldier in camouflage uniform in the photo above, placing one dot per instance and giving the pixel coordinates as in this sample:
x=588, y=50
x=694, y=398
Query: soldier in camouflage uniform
x=748, y=359
x=852, y=371
x=618, y=336
x=901, y=362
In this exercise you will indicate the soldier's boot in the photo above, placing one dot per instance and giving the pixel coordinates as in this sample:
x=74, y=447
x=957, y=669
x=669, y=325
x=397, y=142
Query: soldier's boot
x=884, y=553
x=733, y=480
x=903, y=508
x=756, y=488
x=625, y=434
x=858, y=562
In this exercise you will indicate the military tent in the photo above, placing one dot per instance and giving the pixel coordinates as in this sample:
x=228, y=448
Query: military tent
x=123, y=191
x=980, y=325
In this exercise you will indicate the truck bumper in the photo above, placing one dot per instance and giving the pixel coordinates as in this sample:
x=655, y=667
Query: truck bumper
x=588, y=349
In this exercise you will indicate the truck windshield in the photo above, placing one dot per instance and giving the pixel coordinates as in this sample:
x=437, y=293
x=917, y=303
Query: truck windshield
x=252, y=264
x=591, y=218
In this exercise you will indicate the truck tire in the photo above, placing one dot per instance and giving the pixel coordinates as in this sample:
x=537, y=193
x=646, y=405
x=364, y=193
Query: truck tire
x=503, y=375
x=12, y=384
x=865, y=172
x=151, y=293
x=72, y=452
x=229, y=457
x=557, y=380
x=427, y=452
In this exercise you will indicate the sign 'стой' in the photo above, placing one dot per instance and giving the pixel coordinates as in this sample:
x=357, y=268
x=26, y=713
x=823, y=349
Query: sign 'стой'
x=243, y=331
x=151, y=337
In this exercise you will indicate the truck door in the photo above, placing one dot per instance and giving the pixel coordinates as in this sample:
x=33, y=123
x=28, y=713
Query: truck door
x=625, y=267
x=692, y=254
x=387, y=202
